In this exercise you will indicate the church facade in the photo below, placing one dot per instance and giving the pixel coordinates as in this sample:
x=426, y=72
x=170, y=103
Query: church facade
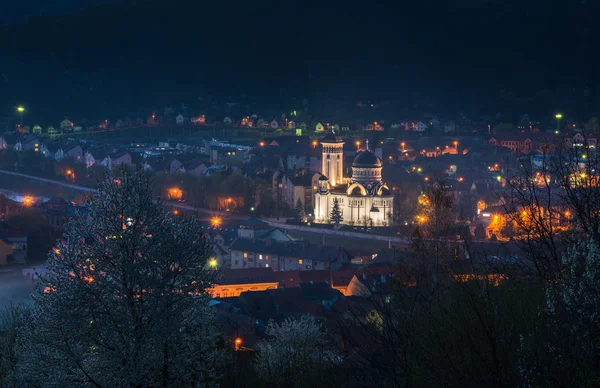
x=364, y=199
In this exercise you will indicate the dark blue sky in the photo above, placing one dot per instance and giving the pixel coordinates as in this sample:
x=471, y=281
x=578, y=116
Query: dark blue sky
x=19, y=11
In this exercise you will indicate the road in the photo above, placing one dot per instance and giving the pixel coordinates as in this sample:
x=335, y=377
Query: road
x=226, y=216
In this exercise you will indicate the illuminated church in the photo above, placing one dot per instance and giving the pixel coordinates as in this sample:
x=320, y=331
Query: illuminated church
x=362, y=199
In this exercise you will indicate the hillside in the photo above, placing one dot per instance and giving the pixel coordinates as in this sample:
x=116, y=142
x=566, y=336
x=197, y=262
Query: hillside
x=131, y=53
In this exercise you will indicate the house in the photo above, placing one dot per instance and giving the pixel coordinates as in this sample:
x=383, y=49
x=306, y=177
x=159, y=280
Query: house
x=44, y=150
x=55, y=152
x=119, y=158
x=59, y=211
x=291, y=188
x=286, y=255
x=37, y=130
x=27, y=143
x=89, y=159
x=3, y=144
x=419, y=126
x=196, y=167
x=13, y=249
x=179, y=119
x=175, y=167
x=199, y=119
x=319, y=127
x=76, y=153
x=233, y=282
x=66, y=125
x=519, y=143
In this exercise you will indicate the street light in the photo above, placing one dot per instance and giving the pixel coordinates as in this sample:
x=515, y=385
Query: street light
x=21, y=110
x=213, y=262
x=558, y=117
x=216, y=221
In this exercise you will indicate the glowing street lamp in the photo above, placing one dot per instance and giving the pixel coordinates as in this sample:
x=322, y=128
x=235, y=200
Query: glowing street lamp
x=216, y=221
x=558, y=117
x=21, y=110
x=213, y=262
x=357, y=144
x=238, y=343
x=28, y=201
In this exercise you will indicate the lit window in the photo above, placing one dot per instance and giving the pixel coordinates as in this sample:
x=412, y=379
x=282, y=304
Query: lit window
x=260, y=257
x=267, y=257
x=300, y=261
x=245, y=255
x=267, y=265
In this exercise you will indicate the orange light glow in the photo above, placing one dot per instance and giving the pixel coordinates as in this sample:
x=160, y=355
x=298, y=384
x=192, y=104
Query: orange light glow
x=262, y=143
x=460, y=179
x=216, y=221
x=28, y=201
x=176, y=212
x=69, y=172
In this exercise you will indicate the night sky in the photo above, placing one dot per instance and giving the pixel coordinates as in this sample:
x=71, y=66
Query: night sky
x=457, y=54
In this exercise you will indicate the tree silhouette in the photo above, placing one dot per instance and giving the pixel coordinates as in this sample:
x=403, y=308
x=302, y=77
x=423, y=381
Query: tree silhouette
x=299, y=209
x=336, y=213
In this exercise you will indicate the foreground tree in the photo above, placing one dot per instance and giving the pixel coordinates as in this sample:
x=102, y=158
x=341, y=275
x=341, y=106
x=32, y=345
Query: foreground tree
x=565, y=348
x=298, y=354
x=124, y=300
x=12, y=320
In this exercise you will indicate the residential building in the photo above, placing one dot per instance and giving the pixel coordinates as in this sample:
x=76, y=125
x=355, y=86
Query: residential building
x=519, y=143
x=235, y=281
x=286, y=255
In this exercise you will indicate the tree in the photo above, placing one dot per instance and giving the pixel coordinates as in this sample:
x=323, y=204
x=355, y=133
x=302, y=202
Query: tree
x=593, y=125
x=336, y=213
x=12, y=319
x=123, y=302
x=297, y=354
x=479, y=232
x=504, y=128
x=300, y=213
x=568, y=332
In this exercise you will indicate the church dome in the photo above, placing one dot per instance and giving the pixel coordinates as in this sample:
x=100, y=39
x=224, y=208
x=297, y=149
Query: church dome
x=366, y=159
